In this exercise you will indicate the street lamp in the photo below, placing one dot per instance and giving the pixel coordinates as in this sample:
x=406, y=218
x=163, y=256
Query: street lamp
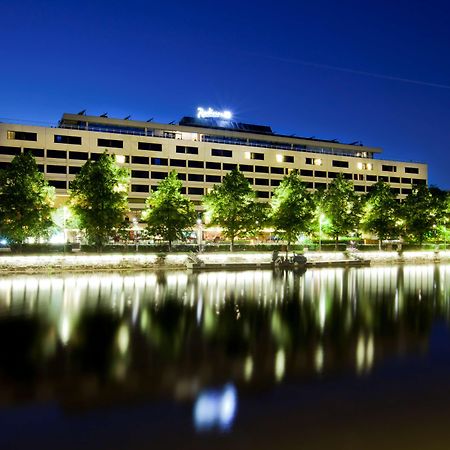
x=199, y=234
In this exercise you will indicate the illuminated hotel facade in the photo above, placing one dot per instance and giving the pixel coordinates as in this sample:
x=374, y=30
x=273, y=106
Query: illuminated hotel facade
x=202, y=150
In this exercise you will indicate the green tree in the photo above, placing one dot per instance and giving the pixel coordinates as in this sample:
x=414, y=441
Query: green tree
x=233, y=206
x=168, y=212
x=342, y=206
x=381, y=212
x=441, y=202
x=26, y=201
x=292, y=209
x=99, y=198
x=422, y=214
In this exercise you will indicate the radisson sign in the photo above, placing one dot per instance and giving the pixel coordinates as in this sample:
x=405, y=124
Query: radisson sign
x=211, y=113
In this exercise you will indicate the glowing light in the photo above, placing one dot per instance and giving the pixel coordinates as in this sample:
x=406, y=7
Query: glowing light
x=369, y=166
x=120, y=159
x=248, y=368
x=123, y=339
x=280, y=364
x=212, y=113
x=215, y=409
x=279, y=158
x=318, y=359
x=359, y=165
x=318, y=162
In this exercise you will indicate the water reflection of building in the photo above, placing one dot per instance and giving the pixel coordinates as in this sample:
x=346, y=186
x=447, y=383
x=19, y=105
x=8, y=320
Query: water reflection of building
x=86, y=337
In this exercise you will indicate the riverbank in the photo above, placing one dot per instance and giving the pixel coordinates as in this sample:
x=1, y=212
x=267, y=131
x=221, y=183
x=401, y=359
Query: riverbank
x=219, y=261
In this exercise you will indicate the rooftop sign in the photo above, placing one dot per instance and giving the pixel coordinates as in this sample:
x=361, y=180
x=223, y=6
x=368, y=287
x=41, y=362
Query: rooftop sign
x=212, y=113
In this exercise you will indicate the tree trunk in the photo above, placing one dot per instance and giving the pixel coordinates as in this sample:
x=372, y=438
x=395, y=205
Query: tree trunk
x=379, y=244
x=336, y=242
x=287, y=249
x=232, y=244
x=170, y=246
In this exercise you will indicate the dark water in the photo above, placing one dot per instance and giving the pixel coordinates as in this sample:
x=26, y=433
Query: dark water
x=330, y=358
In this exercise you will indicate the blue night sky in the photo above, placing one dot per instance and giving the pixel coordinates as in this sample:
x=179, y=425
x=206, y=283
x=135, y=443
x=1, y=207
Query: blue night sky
x=377, y=71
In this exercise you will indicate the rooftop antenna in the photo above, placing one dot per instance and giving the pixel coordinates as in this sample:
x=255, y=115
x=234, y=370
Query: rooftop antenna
x=171, y=123
x=104, y=115
x=82, y=113
x=149, y=120
x=126, y=118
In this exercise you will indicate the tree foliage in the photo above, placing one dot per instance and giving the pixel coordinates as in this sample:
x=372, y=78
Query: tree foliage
x=99, y=198
x=168, y=212
x=381, y=212
x=422, y=212
x=342, y=206
x=292, y=208
x=26, y=201
x=233, y=206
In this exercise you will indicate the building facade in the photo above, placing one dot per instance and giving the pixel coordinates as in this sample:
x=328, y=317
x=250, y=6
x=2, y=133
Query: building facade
x=202, y=151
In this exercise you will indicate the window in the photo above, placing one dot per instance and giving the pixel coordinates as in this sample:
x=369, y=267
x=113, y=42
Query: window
x=227, y=166
x=371, y=177
x=37, y=152
x=40, y=168
x=213, y=165
x=220, y=152
x=213, y=179
x=22, y=135
x=396, y=191
x=56, y=169
x=285, y=158
x=139, y=160
x=262, y=181
x=320, y=185
x=275, y=182
x=359, y=188
x=395, y=180
x=406, y=191
x=306, y=173
x=188, y=150
x=74, y=170
x=196, y=164
x=279, y=170
x=58, y=184
x=5, y=150
x=139, y=174
x=63, y=139
x=181, y=176
x=178, y=162
x=159, y=175
x=78, y=155
x=195, y=177
x=195, y=191
x=113, y=143
x=245, y=168
x=60, y=154
x=309, y=185
x=259, y=156
x=387, y=168
x=262, y=194
x=347, y=176
x=320, y=174
x=340, y=163
x=309, y=161
x=332, y=174
x=250, y=180
x=95, y=156
x=411, y=170
x=149, y=146
x=139, y=188
x=418, y=181
x=261, y=169
x=160, y=161
x=406, y=180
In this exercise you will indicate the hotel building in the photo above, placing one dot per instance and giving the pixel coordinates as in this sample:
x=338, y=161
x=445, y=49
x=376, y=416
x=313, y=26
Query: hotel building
x=202, y=150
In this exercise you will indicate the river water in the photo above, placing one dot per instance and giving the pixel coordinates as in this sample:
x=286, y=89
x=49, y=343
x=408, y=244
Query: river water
x=327, y=358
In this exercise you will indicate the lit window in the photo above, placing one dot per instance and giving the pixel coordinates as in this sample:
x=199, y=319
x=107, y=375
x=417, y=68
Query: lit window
x=120, y=159
x=318, y=162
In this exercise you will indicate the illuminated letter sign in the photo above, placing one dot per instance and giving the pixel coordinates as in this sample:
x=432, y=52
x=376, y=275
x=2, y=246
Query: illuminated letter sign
x=211, y=113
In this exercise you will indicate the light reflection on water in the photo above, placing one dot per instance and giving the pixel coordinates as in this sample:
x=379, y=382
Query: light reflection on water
x=83, y=337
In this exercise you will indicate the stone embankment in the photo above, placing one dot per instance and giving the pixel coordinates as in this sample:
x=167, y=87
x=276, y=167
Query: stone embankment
x=219, y=261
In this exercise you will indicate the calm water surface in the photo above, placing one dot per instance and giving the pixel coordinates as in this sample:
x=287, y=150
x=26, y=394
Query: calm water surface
x=329, y=358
